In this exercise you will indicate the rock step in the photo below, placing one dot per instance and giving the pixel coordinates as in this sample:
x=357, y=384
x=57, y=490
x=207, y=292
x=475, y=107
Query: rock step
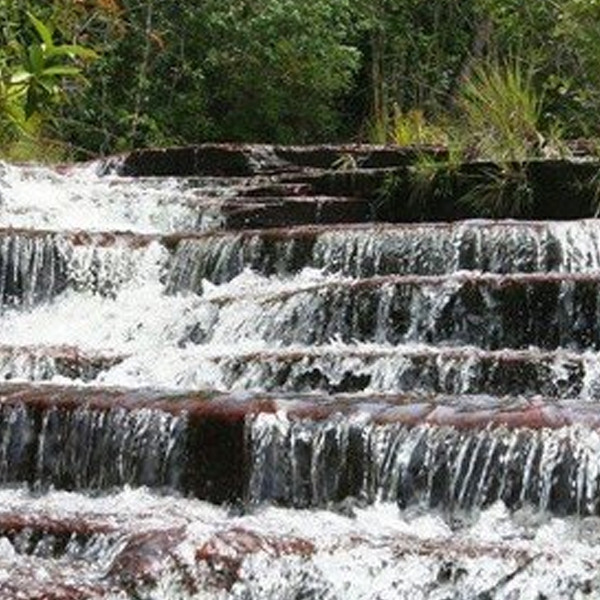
x=60, y=437
x=533, y=190
x=462, y=456
x=368, y=250
x=40, y=363
x=74, y=555
x=392, y=176
x=246, y=159
x=263, y=212
x=36, y=265
x=333, y=369
x=490, y=311
x=276, y=189
x=462, y=411
x=229, y=448
x=451, y=565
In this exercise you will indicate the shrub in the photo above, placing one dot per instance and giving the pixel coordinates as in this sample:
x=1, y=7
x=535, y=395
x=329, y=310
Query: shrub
x=500, y=112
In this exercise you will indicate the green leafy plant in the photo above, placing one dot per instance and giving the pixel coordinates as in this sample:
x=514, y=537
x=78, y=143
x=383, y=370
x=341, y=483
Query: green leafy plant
x=431, y=177
x=500, y=191
x=412, y=128
x=501, y=111
x=346, y=162
x=34, y=80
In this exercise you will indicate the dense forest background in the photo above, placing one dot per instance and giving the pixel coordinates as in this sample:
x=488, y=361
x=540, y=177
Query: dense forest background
x=80, y=78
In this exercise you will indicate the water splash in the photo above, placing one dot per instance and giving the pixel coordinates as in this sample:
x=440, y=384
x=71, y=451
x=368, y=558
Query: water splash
x=377, y=552
x=82, y=198
x=309, y=308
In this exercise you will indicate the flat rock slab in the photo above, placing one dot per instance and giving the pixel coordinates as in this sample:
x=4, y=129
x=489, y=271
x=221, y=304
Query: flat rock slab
x=389, y=178
x=246, y=159
x=205, y=444
x=461, y=411
x=332, y=369
x=490, y=311
x=40, y=363
x=366, y=250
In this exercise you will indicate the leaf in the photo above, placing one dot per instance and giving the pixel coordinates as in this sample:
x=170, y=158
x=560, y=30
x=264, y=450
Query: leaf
x=44, y=31
x=73, y=50
x=20, y=77
x=48, y=85
x=61, y=71
x=31, y=103
x=16, y=115
x=36, y=58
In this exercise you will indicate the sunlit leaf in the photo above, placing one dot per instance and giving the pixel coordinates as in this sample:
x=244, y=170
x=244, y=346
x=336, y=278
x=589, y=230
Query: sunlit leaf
x=20, y=77
x=43, y=30
x=73, y=50
x=36, y=58
x=61, y=71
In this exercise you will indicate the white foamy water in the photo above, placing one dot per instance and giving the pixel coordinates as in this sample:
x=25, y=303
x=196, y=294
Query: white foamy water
x=80, y=198
x=366, y=554
x=372, y=368
x=254, y=332
x=141, y=317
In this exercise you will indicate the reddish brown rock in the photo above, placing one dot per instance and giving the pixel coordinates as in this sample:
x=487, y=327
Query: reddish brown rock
x=146, y=557
x=225, y=552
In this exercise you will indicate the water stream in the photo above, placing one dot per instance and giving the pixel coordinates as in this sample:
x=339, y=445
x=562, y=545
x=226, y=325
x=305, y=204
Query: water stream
x=194, y=410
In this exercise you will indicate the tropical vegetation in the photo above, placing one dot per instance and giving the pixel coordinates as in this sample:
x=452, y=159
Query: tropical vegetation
x=502, y=78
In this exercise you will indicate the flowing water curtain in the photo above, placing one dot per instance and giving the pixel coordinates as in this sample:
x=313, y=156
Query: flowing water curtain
x=308, y=463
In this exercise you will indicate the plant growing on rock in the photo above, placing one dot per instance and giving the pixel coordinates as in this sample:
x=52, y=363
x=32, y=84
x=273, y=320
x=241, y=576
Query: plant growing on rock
x=500, y=191
x=433, y=178
x=413, y=128
x=500, y=110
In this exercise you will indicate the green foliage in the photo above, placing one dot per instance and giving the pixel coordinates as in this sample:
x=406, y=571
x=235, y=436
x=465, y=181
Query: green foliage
x=401, y=71
x=518, y=28
x=501, y=111
x=35, y=75
x=412, y=128
x=577, y=79
x=429, y=179
x=503, y=190
x=417, y=50
x=272, y=70
x=278, y=66
x=37, y=78
x=433, y=178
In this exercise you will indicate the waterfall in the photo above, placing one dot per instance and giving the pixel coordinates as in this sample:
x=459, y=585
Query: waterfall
x=226, y=372
x=307, y=463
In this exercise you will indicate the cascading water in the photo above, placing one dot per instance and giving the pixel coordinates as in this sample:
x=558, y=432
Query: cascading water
x=199, y=400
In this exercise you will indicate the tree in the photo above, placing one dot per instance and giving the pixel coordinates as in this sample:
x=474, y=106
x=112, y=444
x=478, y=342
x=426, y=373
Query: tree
x=267, y=70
